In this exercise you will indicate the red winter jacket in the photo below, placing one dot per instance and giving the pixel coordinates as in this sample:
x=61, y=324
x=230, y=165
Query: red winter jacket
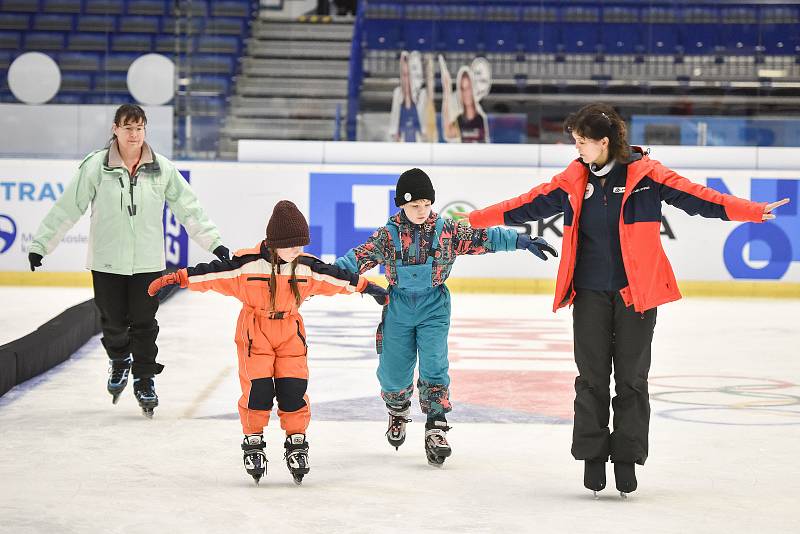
x=651, y=281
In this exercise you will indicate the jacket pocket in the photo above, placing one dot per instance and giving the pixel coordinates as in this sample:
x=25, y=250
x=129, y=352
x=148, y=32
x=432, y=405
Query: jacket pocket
x=301, y=336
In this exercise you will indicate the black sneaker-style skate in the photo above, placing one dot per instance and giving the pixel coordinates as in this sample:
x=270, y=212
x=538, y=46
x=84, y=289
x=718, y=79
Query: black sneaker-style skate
x=625, y=475
x=255, y=461
x=144, y=390
x=594, y=475
x=118, y=371
x=396, y=433
x=296, y=456
x=436, y=447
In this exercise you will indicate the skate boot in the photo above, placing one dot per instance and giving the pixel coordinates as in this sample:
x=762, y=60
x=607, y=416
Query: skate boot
x=594, y=475
x=396, y=433
x=255, y=461
x=296, y=456
x=144, y=390
x=436, y=447
x=625, y=475
x=118, y=371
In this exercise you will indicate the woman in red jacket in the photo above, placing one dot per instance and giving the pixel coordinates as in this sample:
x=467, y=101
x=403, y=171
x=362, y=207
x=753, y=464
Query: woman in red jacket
x=614, y=272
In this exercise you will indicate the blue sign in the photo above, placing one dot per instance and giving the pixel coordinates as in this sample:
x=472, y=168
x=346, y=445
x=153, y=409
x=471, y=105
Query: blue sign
x=8, y=232
x=332, y=210
x=176, y=240
x=775, y=242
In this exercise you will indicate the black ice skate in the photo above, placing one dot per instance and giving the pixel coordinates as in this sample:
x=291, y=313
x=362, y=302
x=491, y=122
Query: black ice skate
x=118, y=371
x=144, y=390
x=396, y=433
x=296, y=456
x=594, y=475
x=625, y=475
x=436, y=447
x=255, y=461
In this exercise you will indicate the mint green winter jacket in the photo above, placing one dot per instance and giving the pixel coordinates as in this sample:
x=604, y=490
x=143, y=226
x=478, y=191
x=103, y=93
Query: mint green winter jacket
x=121, y=240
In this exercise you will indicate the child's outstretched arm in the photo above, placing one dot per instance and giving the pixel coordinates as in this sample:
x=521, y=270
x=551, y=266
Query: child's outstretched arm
x=327, y=279
x=467, y=240
x=222, y=276
x=364, y=257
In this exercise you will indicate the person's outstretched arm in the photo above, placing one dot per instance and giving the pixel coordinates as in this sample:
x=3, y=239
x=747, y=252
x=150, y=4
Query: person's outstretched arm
x=544, y=200
x=326, y=279
x=221, y=276
x=364, y=257
x=474, y=241
x=696, y=199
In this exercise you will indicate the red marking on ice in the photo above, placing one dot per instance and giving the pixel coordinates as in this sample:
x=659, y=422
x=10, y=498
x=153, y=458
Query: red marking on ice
x=540, y=392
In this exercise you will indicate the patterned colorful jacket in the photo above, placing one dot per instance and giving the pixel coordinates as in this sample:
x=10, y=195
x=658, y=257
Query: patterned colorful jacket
x=457, y=238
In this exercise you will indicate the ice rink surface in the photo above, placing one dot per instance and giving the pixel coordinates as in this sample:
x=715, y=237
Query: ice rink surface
x=725, y=431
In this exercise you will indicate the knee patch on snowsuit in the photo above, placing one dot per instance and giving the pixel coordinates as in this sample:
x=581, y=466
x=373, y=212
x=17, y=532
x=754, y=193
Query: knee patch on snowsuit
x=397, y=399
x=262, y=391
x=434, y=399
x=290, y=392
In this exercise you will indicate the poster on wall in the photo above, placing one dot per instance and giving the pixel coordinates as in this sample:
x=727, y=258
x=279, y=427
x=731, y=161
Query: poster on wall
x=462, y=119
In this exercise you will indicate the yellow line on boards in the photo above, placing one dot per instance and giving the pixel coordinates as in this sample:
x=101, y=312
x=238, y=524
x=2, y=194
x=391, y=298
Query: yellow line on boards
x=689, y=288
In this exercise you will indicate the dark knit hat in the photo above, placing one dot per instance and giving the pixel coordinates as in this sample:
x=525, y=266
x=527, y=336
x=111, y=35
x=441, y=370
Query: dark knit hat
x=413, y=184
x=287, y=227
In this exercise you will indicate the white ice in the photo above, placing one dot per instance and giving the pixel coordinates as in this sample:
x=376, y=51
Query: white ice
x=24, y=309
x=725, y=431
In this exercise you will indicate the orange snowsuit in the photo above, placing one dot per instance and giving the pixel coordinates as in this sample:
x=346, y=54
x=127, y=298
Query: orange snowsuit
x=271, y=345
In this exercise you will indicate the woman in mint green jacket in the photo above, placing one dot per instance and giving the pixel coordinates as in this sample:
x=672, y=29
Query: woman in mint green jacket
x=126, y=185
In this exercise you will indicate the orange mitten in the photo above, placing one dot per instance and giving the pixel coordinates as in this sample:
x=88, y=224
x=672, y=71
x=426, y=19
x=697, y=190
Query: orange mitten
x=178, y=277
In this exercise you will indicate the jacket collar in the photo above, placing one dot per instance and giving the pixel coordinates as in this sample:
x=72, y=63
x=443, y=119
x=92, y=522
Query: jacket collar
x=399, y=219
x=114, y=158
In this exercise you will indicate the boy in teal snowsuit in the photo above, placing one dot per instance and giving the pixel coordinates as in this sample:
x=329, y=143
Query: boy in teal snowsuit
x=418, y=249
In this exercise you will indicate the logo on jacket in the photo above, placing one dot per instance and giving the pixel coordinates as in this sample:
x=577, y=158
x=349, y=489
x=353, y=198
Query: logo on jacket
x=589, y=190
x=622, y=189
x=8, y=232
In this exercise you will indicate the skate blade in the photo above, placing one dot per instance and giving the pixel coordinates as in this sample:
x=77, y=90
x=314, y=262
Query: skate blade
x=298, y=479
x=256, y=479
x=623, y=495
x=147, y=412
x=115, y=397
x=596, y=496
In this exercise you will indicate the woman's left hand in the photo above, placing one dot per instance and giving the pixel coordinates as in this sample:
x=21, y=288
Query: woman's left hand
x=770, y=207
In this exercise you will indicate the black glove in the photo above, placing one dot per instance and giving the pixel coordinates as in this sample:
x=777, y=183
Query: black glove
x=35, y=260
x=380, y=295
x=537, y=246
x=222, y=253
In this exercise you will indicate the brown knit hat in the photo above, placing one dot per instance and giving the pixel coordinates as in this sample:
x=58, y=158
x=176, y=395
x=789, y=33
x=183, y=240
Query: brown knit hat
x=287, y=227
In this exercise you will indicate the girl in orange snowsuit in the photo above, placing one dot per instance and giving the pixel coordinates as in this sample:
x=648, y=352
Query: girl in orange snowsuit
x=272, y=280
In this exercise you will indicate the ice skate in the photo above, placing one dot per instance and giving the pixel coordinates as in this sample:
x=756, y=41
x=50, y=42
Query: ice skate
x=594, y=475
x=255, y=461
x=625, y=475
x=296, y=456
x=396, y=433
x=144, y=390
x=118, y=371
x=437, y=449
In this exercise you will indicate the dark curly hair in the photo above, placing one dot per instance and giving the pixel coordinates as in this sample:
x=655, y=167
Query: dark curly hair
x=596, y=121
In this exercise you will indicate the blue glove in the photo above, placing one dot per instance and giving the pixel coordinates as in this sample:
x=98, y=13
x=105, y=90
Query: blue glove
x=537, y=246
x=222, y=253
x=375, y=291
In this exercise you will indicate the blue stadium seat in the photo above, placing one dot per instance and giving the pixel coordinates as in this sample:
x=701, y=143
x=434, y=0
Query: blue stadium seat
x=218, y=44
x=97, y=23
x=210, y=83
x=148, y=7
x=382, y=34
x=14, y=21
x=79, y=61
x=780, y=30
x=37, y=41
x=502, y=37
x=132, y=42
x=580, y=29
x=195, y=8
x=541, y=38
x=225, y=26
x=118, y=61
x=20, y=6
x=61, y=6
x=241, y=8
x=622, y=38
x=111, y=82
x=701, y=30
x=87, y=42
x=419, y=35
x=54, y=22
x=454, y=35
x=75, y=82
x=104, y=7
x=139, y=24
x=212, y=63
x=10, y=40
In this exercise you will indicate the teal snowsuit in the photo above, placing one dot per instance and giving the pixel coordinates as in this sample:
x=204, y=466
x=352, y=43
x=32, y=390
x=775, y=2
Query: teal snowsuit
x=416, y=323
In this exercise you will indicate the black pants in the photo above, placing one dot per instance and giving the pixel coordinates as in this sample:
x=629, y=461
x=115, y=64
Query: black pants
x=605, y=333
x=128, y=319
